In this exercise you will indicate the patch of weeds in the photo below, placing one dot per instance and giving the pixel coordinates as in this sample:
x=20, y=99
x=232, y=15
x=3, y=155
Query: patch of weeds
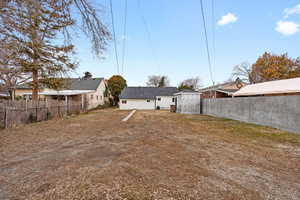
x=246, y=130
x=257, y=131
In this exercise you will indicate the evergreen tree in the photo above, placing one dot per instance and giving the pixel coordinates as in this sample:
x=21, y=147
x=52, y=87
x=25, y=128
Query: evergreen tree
x=41, y=30
x=36, y=27
x=87, y=75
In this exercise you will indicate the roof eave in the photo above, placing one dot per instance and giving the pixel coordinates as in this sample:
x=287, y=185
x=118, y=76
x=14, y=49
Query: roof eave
x=266, y=93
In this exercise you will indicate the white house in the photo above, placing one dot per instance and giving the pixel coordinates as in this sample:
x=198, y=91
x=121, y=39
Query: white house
x=188, y=102
x=147, y=98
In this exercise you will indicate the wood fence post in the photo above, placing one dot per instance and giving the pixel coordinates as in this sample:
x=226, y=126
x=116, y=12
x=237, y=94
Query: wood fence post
x=66, y=104
x=46, y=106
x=82, y=103
x=58, y=110
x=36, y=112
x=5, y=117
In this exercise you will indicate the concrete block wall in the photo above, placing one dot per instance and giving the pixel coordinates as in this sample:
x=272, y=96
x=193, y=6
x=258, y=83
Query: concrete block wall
x=281, y=112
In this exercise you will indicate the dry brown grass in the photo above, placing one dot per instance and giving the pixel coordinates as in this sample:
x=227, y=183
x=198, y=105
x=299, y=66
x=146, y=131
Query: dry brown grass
x=156, y=155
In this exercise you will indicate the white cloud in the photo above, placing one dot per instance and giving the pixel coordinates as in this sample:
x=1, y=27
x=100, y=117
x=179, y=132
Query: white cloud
x=287, y=27
x=227, y=19
x=291, y=11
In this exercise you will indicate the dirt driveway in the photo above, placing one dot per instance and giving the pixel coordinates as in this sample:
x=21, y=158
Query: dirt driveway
x=155, y=155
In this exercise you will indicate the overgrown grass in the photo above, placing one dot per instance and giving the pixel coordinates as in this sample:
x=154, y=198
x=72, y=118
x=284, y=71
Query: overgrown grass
x=246, y=130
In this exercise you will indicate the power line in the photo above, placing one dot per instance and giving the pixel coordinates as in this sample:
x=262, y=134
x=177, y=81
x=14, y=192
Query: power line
x=124, y=36
x=154, y=55
x=213, y=32
x=206, y=42
x=114, y=36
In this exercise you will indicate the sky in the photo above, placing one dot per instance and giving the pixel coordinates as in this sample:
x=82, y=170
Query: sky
x=166, y=37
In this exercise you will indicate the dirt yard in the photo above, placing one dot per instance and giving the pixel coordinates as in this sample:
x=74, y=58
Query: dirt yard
x=155, y=155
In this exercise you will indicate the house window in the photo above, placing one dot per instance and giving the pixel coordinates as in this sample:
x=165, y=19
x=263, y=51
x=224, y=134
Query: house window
x=100, y=97
x=97, y=97
x=92, y=96
x=173, y=99
x=148, y=100
x=124, y=102
x=158, y=99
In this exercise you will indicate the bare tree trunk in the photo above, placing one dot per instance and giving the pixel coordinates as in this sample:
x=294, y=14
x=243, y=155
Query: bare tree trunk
x=35, y=88
x=11, y=94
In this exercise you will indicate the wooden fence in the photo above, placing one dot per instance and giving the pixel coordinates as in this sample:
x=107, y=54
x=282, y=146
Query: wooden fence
x=13, y=113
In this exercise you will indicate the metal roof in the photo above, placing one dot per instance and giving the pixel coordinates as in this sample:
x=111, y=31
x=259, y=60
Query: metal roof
x=147, y=92
x=271, y=87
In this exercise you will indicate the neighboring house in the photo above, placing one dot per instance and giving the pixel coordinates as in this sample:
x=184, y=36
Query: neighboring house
x=4, y=95
x=221, y=90
x=147, y=98
x=92, y=92
x=271, y=88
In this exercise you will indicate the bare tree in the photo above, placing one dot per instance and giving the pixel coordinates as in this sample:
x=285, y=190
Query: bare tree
x=90, y=22
x=35, y=26
x=92, y=25
x=243, y=71
x=11, y=73
x=191, y=83
x=158, y=81
x=164, y=81
x=153, y=80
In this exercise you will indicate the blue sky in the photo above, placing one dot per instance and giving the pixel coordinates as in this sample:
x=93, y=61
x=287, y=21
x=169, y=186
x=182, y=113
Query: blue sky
x=176, y=46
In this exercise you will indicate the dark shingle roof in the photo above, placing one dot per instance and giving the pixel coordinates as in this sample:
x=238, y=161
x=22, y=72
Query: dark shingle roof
x=147, y=92
x=83, y=84
x=187, y=90
x=73, y=84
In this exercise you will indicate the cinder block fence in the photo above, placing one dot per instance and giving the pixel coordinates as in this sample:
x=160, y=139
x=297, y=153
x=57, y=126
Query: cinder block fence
x=281, y=112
